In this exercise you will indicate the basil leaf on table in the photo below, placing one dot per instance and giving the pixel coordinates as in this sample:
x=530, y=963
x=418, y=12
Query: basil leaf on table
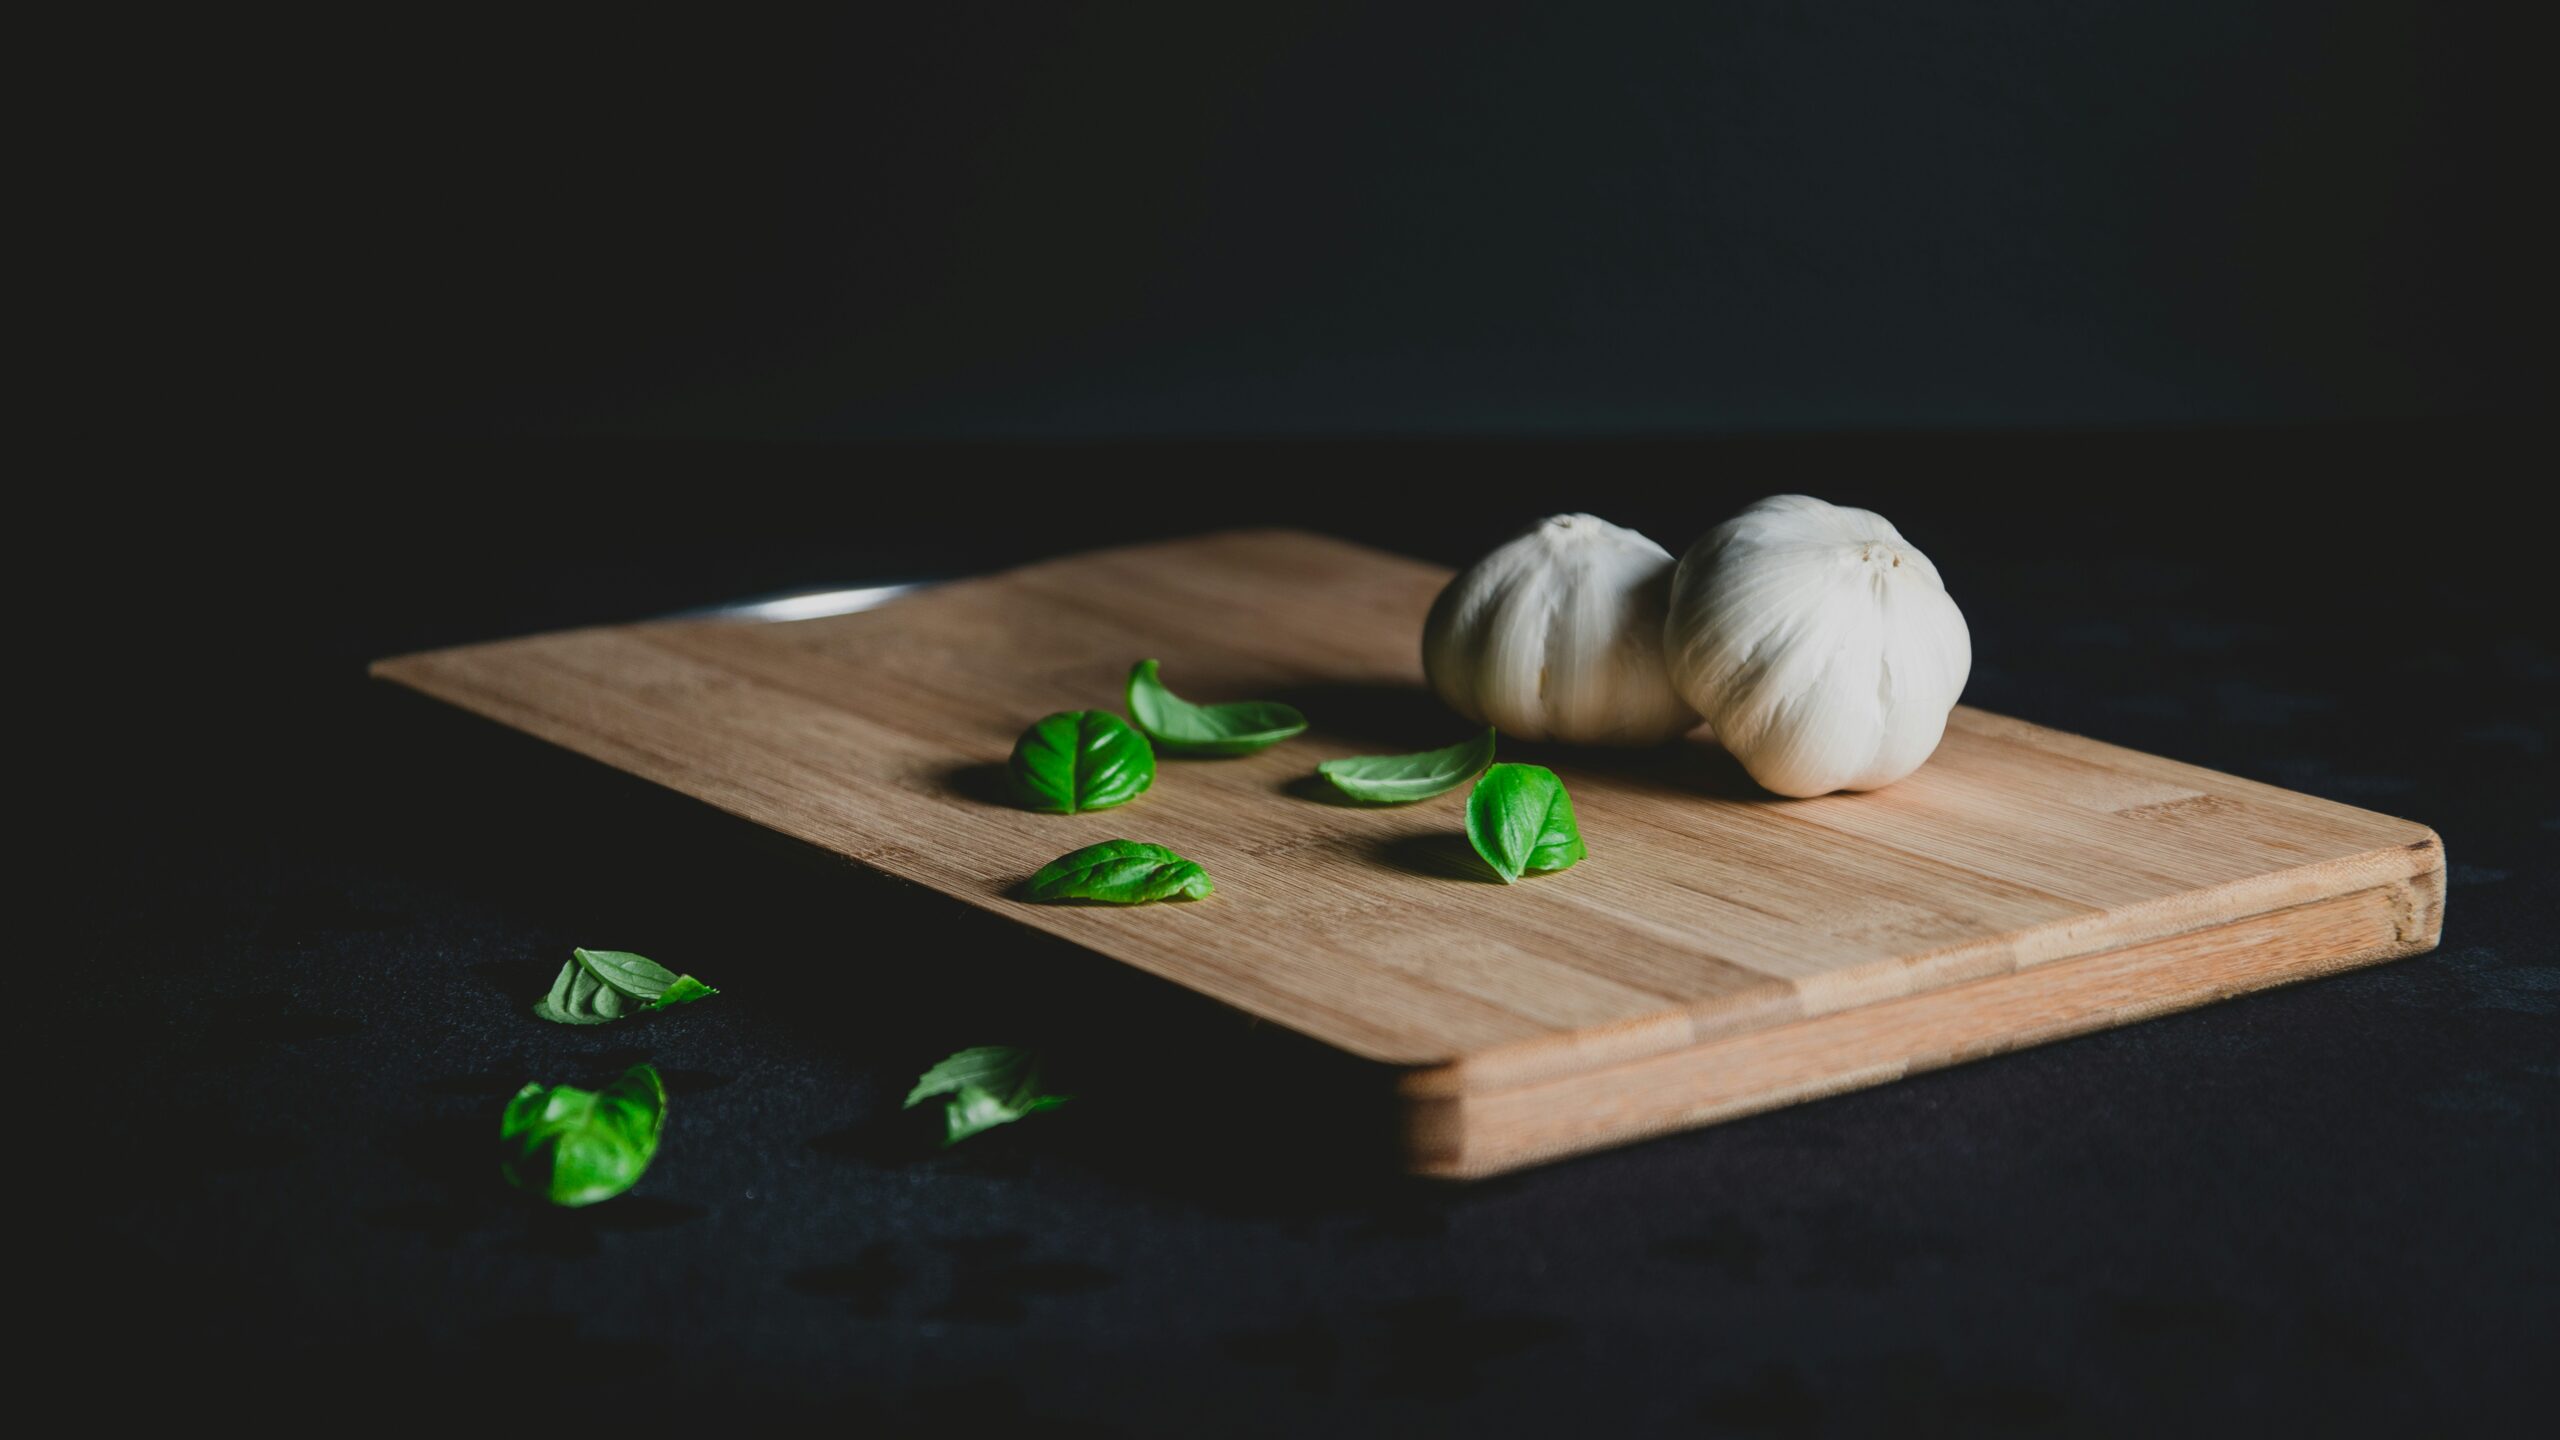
x=685, y=991
x=598, y=986
x=1519, y=819
x=990, y=1085
x=1120, y=872
x=1238, y=727
x=1401, y=779
x=578, y=998
x=1080, y=760
x=575, y=1147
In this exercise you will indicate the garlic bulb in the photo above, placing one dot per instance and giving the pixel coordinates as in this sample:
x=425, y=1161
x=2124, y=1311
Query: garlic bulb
x=1558, y=636
x=1819, y=643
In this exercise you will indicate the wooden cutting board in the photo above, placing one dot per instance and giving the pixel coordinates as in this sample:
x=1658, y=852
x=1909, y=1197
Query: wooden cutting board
x=1722, y=951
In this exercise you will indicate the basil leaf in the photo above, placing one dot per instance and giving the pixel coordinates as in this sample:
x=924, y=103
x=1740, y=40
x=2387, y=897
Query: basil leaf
x=973, y=1110
x=990, y=1085
x=597, y=986
x=578, y=998
x=637, y=976
x=1400, y=779
x=1519, y=819
x=1080, y=760
x=1239, y=727
x=576, y=1147
x=644, y=979
x=685, y=991
x=1119, y=872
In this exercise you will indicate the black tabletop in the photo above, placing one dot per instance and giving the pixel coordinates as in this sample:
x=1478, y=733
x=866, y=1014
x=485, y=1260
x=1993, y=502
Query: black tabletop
x=314, y=911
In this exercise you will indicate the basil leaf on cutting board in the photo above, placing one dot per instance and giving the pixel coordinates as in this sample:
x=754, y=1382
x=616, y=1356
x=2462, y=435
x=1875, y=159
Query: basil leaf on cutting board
x=1119, y=872
x=990, y=1085
x=1520, y=819
x=575, y=1147
x=1080, y=760
x=1402, y=779
x=1238, y=727
x=598, y=986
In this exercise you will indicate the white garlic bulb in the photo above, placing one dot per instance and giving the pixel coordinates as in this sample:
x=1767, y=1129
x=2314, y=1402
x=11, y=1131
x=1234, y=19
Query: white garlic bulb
x=1557, y=635
x=1822, y=646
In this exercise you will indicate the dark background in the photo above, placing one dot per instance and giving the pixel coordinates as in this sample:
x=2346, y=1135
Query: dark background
x=2199, y=345
x=1024, y=221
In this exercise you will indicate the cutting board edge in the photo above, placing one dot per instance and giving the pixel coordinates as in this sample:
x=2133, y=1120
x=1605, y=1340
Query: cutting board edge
x=1569, y=1052
x=1473, y=1134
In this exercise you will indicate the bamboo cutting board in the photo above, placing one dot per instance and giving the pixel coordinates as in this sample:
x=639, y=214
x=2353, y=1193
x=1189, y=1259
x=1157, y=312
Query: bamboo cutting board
x=1721, y=951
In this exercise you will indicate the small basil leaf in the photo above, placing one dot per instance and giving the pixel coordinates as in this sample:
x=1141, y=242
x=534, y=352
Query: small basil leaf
x=1080, y=760
x=1119, y=872
x=578, y=997
x=989, y=1085
x=597, y=986
x=555, y=1006
x=576, y=1147
x=1520, y=819
x=979, y=1065
x=973, y=1110
x=1399, y=779
x=1239, y=727
x=637, y=976
x=685, y=991
x=640, y=978
x=592, y=994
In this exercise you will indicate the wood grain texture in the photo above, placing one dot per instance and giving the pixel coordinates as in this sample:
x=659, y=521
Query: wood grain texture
x=1721, y=950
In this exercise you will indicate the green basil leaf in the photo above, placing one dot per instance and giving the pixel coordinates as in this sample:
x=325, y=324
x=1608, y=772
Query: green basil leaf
x=1399, y=779
x=641, y=978
x=576, y=1147
x=578, y=997
x=990, y=1085
x=1120, y=872
x=973, y=1110
x=685, y=991
x=637, y=976
x=1519, y=819
x=597, y=986
x=1239, y=727
x=1080, y=760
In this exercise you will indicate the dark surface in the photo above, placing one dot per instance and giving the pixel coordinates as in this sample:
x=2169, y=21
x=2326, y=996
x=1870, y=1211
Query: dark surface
x=314, y=911
x=972, y=220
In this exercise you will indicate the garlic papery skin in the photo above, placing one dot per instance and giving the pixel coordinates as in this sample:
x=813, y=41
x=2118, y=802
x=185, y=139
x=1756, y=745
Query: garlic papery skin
x=1820, y=644
x=1557, y=635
